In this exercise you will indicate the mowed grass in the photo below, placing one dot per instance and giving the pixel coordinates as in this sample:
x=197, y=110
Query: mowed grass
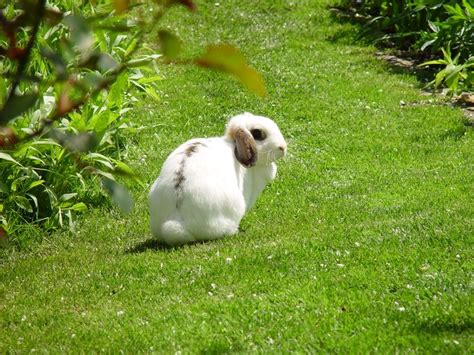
x=363, y=243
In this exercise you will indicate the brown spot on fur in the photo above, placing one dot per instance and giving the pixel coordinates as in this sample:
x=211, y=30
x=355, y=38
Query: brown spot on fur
x=179, y=175
x=192, y=148
x=179, y=178
x=178, y=182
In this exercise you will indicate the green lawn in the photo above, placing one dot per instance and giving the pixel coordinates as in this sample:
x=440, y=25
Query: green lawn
x=363, y=243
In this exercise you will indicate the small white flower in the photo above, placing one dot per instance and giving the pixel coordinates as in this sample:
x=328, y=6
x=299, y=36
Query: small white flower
x=340, y=265
x=120, y=313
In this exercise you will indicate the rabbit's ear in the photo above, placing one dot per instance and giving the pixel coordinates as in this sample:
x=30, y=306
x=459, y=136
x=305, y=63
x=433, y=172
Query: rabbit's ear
x=245, y=148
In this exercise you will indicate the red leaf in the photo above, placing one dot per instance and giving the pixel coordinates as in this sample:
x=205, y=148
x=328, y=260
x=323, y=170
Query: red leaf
x=15, y=52
x=65, y=104
x=3, y=237
x=7, y=137
x=121, y=6
x=188, y=3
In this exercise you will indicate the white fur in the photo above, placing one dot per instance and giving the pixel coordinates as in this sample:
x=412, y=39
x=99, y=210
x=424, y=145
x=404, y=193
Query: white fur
x=215, y=190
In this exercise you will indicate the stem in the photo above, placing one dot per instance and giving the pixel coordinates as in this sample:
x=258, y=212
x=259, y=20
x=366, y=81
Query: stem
x=24, y=59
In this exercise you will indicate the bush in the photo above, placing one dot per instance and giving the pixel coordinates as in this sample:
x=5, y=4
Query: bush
x=70, y=74
x=436, y=29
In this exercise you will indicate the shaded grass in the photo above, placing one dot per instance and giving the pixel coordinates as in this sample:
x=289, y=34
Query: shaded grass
x=363, y=243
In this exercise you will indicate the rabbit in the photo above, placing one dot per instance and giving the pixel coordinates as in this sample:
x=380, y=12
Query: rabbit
x=207, y=185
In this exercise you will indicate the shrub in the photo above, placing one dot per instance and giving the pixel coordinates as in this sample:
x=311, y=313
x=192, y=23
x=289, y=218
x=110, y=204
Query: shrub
x=70, y=74
x=434, y=28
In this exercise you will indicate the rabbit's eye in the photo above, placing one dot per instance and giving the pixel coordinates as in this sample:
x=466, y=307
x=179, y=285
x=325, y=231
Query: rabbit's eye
x=258, y=134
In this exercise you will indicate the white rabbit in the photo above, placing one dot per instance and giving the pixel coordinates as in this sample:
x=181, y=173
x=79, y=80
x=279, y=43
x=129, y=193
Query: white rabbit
x=207, y=184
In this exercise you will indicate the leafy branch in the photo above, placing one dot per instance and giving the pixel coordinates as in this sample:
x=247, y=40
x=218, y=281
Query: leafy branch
x=61, y=107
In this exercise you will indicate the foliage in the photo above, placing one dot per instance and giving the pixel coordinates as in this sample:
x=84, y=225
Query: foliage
x=436, y=28
x=454, y=73
x=70, y=76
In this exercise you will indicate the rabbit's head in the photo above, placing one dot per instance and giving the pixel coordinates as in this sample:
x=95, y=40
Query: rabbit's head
x=257, y=139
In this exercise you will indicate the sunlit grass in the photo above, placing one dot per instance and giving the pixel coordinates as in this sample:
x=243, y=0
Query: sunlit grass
x=362, y=244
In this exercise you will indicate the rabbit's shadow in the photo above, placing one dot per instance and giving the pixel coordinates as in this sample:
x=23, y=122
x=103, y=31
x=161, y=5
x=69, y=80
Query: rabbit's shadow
x=153, y=244
x=149, y=244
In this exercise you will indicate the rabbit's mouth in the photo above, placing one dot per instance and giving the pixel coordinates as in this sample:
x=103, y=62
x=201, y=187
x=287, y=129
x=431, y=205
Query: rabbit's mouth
x=270, y=156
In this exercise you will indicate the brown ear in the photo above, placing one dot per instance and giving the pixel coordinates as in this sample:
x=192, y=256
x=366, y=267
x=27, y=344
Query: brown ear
x=245, y=148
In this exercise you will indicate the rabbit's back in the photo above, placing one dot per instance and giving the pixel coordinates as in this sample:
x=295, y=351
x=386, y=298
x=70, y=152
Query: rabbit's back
x=198, y=193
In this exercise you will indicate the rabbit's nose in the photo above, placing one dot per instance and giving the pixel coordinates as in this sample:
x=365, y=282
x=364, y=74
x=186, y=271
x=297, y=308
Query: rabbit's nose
x=282, y=148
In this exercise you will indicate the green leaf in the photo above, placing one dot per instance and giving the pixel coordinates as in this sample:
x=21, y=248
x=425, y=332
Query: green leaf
x=227, y=58
x=433, y=62
x=452, y=69
x=8, y=157
x=99, y=122
x=469, y=8
x=34, y=199
x=23, y=203
x=447, y=55
x=16, y=106
x=440, y=77
x=117, y=91
x=34, y=184
x=3, y=90
x=150, y=79
x=67, y=197
x=131, y=47
x=170, y=44
x=120, y=195
x=152, y=92
x=105, y=174
x=434, y=27
x=453, y=74
x=122, y=168
x=99, y=158
x=80, y=207
x=142, y=61
x=427, y=44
